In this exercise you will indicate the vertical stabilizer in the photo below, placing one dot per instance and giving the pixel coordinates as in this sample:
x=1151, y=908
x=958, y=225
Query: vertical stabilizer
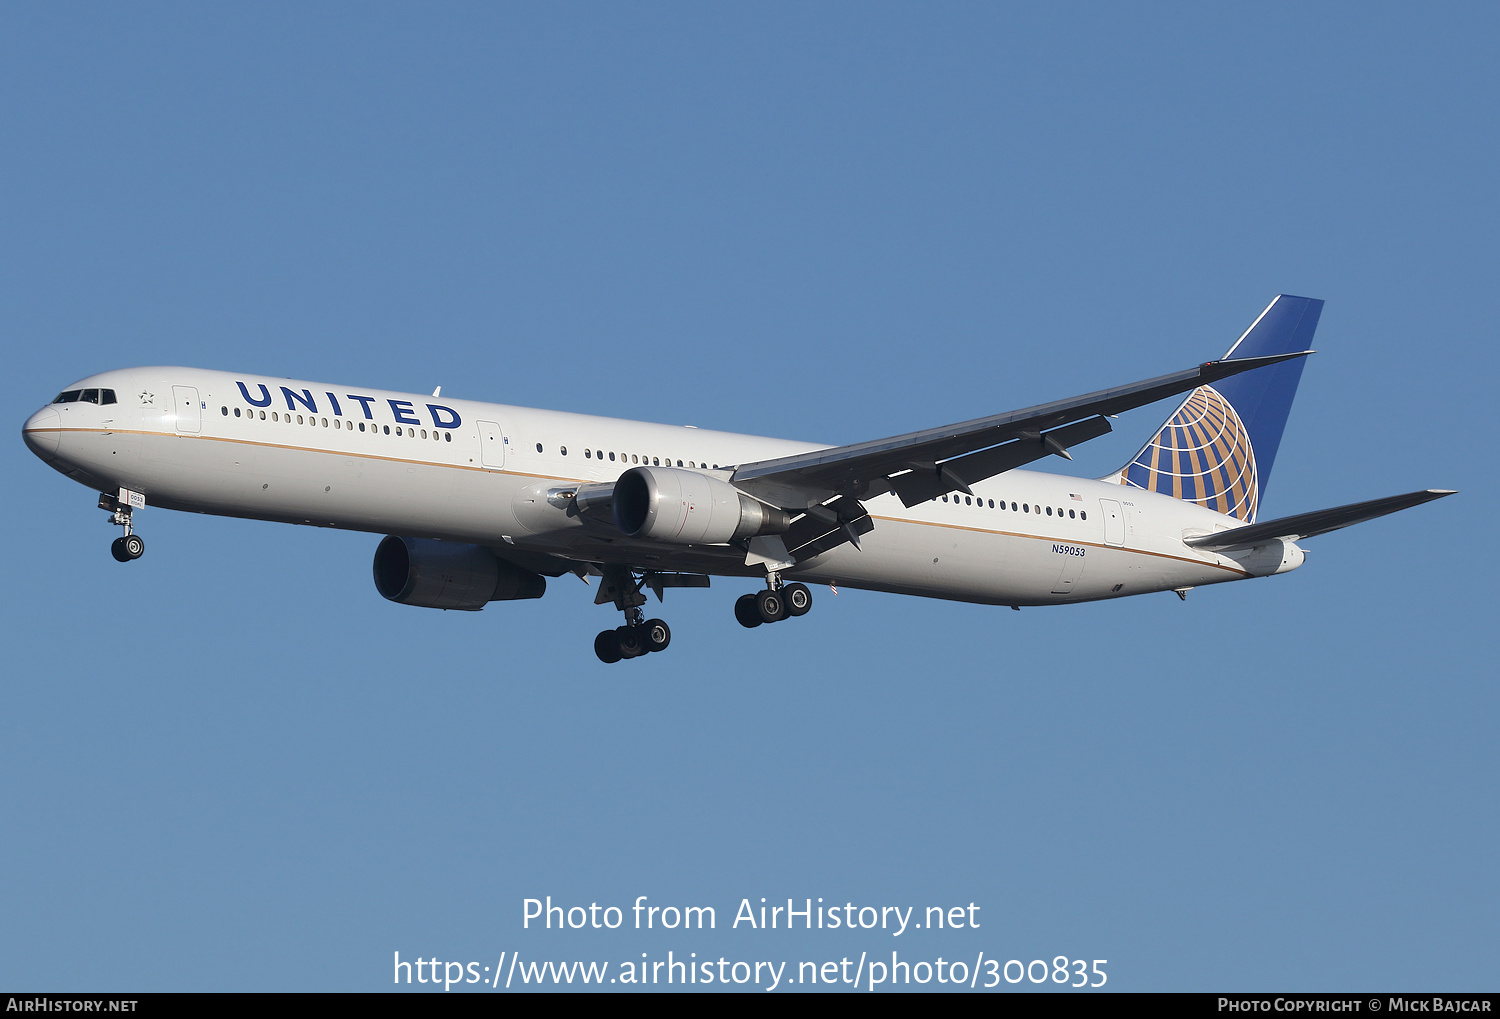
x=1217, y=448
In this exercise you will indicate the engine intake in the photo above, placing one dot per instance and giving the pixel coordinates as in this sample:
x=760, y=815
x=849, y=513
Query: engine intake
x=689, y=508
x=447, y=575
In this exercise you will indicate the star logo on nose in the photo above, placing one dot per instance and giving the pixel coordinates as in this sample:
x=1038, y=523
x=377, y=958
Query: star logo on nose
x=147, y=398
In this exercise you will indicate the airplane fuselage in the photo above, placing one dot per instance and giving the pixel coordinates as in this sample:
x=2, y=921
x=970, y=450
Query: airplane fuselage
x=488, y=474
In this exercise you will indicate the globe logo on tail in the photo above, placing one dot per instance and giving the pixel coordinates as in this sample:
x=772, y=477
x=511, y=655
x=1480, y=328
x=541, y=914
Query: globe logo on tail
x=1202, y=455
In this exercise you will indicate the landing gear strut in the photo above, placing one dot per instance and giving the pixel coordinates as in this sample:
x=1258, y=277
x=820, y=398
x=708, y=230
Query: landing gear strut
x=639, y=636
x=130, y=545
x=777, y=602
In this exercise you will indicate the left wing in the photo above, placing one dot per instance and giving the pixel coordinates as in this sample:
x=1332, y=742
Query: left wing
x=924, y=465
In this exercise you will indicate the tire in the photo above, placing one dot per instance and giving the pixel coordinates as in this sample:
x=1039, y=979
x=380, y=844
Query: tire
x=134, y=545
x=630, y=641
x=746, y=612
x=656, y=635
x=607, y=647
x=798, y=599
x=117, y=549
x=771, y=606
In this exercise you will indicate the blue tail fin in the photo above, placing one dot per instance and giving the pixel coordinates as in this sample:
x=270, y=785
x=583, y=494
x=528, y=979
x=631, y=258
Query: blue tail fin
x=1217, y=448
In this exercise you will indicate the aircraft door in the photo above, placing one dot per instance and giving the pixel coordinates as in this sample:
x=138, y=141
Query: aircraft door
x=185, y=403
x=491, y=445
x=1114, y=522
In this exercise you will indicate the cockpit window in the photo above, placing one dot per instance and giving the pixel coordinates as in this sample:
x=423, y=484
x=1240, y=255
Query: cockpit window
x=86, y=396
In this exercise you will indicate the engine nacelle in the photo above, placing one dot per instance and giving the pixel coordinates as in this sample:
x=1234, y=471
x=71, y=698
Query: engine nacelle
x=447, y=575
x=689, y=508
x=1275, y=556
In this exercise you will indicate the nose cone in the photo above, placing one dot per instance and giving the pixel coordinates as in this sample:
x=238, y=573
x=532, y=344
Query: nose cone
x=43, y=432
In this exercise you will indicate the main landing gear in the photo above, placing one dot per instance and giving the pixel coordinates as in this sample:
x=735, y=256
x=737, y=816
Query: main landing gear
x=130, y=545
x=639, y=636
x=775, y=603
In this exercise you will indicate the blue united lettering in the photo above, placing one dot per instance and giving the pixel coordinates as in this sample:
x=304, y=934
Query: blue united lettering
x=402, y=411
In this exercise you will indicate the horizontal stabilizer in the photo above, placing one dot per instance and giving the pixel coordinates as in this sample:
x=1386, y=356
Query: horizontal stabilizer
x=1306, y=525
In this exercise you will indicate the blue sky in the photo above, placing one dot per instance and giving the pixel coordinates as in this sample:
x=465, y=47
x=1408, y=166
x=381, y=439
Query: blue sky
x=232, y=765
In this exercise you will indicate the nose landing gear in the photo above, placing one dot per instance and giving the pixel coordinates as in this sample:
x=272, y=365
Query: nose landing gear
x=130, y=545
x=127, y=548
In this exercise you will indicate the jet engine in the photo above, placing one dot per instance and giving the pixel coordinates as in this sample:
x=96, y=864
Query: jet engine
x=689, y=508
x=449, y=575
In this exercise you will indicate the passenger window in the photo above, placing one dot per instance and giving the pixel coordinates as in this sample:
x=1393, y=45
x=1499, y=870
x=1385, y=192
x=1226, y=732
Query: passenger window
x=992, y=504
x=236, y=412
x=611, y=454
x=1049, y=511
x=325, y=422
x=424, y=433
x=563, y=450
x=262, y=415
x=588, y=454
x=679, y=463
x=634, y=459
x=387, y=429
x=225, y=411
x=538, y=447
x=447, y=436
x=655, y=462
x=1082, y=515
x=599, y=454
x=1070, y=514
x=1025, y=507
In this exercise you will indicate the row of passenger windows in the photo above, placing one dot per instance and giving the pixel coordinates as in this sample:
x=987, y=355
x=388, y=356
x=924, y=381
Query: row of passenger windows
x=634, y=458
x=1024, y=507
x=86, y=396
x=374, y=429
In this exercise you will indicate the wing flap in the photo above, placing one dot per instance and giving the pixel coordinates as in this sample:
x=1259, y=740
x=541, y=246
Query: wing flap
x=928, y=481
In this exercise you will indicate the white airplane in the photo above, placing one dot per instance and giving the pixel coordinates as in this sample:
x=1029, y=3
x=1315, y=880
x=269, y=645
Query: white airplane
x=481, y=502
